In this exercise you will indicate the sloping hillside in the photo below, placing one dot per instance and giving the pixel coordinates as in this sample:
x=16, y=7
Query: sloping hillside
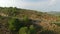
x=56, y=13
x=37, y=19
x=23, y=12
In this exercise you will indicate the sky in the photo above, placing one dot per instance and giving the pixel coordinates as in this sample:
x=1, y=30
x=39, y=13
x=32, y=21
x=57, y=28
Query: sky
x=39, y=5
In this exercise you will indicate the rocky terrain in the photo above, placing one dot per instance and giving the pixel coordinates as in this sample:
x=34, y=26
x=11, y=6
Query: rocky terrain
x=37, y=19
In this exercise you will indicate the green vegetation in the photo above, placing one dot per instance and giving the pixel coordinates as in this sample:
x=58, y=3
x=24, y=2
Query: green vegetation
x=48, y=32
x=21, y=21
x=23, y=30
x=57, y=24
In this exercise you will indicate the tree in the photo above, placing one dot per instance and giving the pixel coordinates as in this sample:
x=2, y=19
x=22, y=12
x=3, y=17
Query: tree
x=26, y=21
x=32, y=30
x=14, y=25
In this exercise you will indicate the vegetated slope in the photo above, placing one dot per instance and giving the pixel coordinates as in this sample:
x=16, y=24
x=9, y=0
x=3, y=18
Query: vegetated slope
x=34, y=15
x=56, y=13
x=23, y=12
x=39, y=18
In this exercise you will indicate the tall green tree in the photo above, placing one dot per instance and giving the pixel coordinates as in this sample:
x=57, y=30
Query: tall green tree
x=14, y=25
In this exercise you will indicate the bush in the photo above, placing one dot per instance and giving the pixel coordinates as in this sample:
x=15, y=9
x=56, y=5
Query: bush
x=23, y=30
x=47, y=32
x=32, y=30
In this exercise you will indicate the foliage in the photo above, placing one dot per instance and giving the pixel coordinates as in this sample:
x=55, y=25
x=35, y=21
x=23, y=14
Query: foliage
x=23, y=30
x=57, y=24
x=32, y=30
x=14, y=24
x=25, y=26
x=47, y=32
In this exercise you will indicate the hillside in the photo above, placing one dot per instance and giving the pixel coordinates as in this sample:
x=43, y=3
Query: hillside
x=57, y=13
x=40, y=21
x=23, y=12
